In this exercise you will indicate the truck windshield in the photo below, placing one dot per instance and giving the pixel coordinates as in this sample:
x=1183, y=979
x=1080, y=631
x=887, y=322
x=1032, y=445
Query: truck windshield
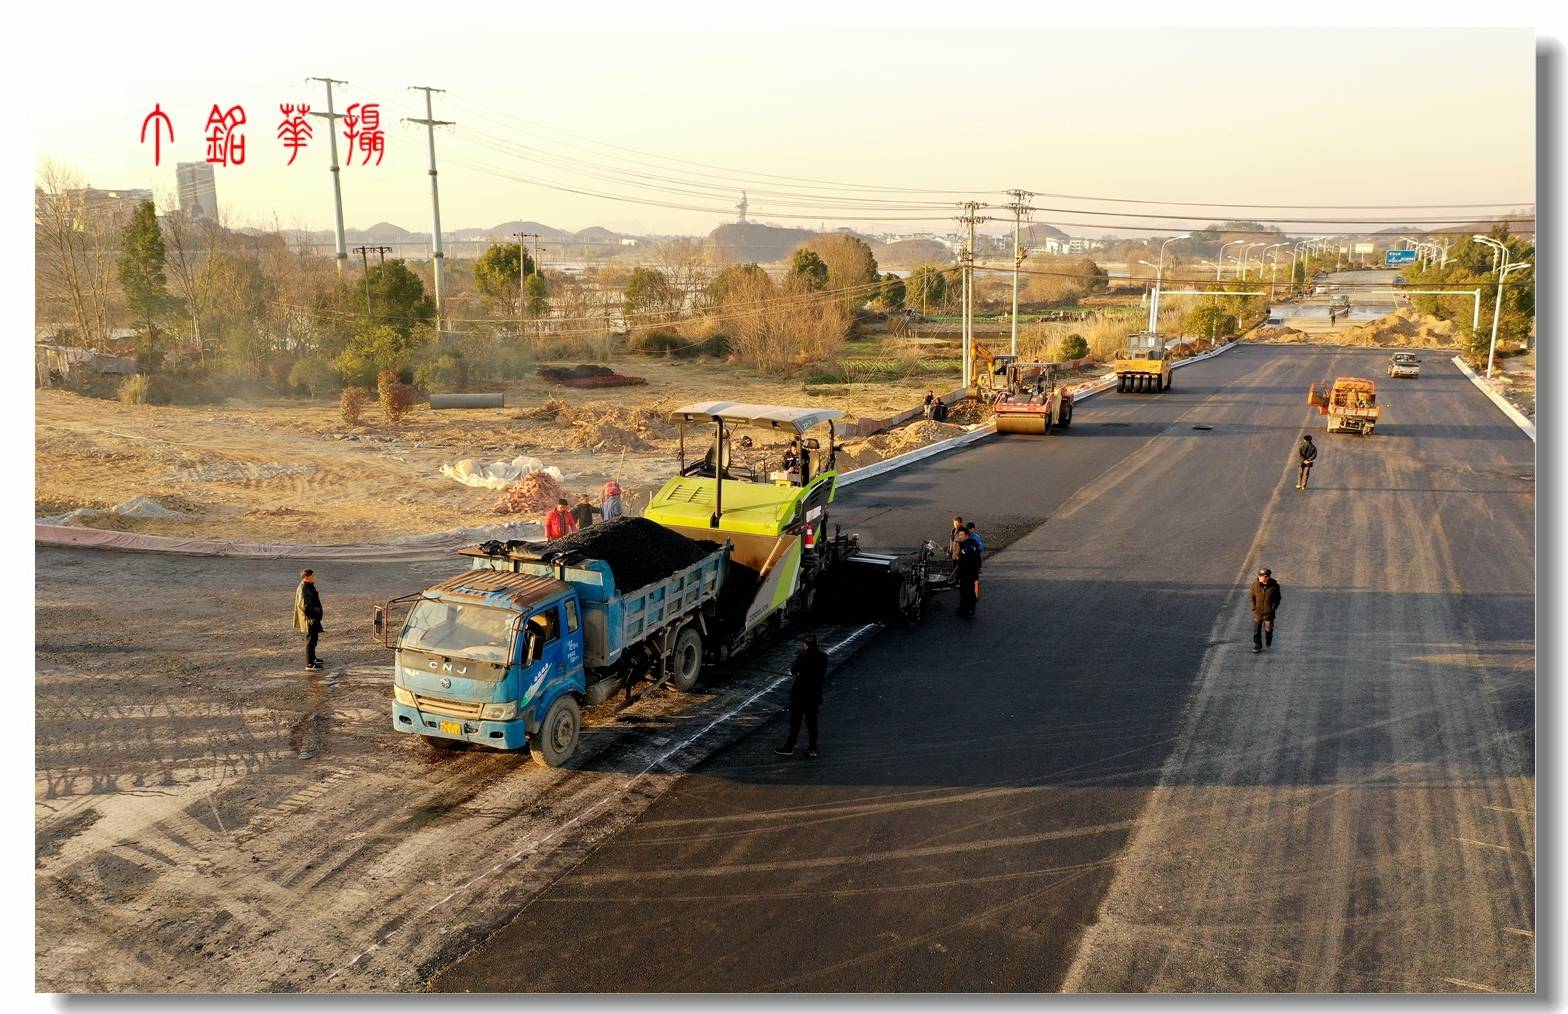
x=467, y=631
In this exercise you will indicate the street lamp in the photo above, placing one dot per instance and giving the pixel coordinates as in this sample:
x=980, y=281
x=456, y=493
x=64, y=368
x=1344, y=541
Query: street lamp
x=1498, y=249
x=1221, y=267
x=1246, y=253
x=1498, y=309
x=1159, y=279
x=1273, y=269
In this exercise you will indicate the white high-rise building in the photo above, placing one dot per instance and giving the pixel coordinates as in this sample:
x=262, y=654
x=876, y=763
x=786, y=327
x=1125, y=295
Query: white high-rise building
x=198, y=190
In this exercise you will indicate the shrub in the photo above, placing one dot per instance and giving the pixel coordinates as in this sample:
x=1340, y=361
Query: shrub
x=447, y=373
x=133, y=389
x=1073, y=346
x=395, y=396
x=314, y=374
x=351, y=403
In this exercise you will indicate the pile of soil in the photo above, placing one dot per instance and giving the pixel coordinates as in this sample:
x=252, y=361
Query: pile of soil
x=534, y=493
x=604, y=435
x=638, y=551
x=970, y=412
x=894, y=442
x=587, y=375
x=1406, y=327
x=1275, y=334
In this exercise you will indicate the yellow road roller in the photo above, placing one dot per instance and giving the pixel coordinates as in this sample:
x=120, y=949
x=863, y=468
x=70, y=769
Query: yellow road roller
x=1144, y=365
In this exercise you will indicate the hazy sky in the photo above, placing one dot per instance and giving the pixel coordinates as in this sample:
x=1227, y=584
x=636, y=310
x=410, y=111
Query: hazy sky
x=1269, y=116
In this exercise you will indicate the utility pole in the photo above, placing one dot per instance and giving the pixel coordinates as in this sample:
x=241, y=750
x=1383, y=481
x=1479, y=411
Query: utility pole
x=437, y=256
x=1019, y=208
x=522, y=264
x=967, y=262
x=364, y=256
x=332, y=116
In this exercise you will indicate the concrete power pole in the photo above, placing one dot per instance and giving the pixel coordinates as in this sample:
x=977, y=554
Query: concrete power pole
x=364, y=256
x=1020, y=208
x=430, y=124
x=967, y=262
x=332, y=116
x=522, y=265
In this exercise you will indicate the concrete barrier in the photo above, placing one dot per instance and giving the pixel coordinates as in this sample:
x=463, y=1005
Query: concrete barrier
x=1519, y=418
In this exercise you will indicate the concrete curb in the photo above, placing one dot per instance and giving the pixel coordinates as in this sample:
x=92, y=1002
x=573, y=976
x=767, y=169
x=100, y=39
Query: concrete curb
x=1086, y=390
x=1519, y=418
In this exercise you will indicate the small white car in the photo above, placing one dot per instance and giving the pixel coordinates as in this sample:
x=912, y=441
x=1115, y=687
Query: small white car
x=1404, y=364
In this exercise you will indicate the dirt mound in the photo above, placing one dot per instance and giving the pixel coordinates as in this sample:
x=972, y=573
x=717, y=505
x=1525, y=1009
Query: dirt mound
x=969, y=412
x=638, y=551
x=1275, y=334
x=587, y=375
x=604, y=435
x=1406, y=327
x=534, y=493
x=895, y=442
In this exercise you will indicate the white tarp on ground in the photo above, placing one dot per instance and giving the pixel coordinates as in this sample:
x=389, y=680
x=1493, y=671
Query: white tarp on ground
x=497, y=474
x=136, y=507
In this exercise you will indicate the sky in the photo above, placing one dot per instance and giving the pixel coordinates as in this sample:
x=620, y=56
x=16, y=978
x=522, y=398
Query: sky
x=1213, y=116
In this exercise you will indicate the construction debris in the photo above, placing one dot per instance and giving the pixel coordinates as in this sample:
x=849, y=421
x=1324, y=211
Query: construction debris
x=497, y=474
x=1405, y=327
x=895, y=442
x=587, y=375
x=534, y=493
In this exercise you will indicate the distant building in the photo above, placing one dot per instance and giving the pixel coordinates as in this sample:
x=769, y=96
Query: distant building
x=198, y=190
x=86, y=204
x=628, y=241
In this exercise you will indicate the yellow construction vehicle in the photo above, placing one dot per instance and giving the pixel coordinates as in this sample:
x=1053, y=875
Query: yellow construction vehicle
x=1144, y=364
x=1028, y=398
x=1350, y=404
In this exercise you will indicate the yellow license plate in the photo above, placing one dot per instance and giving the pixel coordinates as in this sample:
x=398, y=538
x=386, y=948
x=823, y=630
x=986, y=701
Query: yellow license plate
x=452, y=728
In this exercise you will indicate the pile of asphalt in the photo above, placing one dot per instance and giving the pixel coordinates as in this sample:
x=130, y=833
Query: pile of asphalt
x=638, y=551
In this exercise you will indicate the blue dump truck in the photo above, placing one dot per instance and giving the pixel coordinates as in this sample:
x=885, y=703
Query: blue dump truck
x=506, y=653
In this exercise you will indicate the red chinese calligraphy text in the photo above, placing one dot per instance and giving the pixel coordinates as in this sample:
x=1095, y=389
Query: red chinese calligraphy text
x=295, y=131
x=362, y=128
x=225, y=142
x=158, y=120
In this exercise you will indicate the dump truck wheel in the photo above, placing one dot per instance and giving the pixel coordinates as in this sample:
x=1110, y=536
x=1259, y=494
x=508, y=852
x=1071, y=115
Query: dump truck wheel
x=686, y=660
x=1067, y=415
x=556, y=740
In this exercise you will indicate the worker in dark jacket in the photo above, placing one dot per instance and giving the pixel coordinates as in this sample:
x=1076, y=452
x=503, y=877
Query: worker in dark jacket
x=810, y=669
x=307, y=615
x=582, y=514
x=952, y=538
x=1264, y=597
x=1306, y=454
x=968, y=573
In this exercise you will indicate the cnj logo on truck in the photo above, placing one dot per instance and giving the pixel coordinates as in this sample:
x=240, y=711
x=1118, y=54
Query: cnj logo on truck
x=435, y=666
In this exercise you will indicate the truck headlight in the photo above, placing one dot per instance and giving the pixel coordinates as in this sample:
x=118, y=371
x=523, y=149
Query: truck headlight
x=500, y=712
x=403, y=696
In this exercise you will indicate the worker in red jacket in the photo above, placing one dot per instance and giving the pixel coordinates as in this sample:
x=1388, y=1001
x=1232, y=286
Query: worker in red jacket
x=559, y=521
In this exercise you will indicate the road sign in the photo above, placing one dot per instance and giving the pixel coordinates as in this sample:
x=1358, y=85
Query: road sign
x=1396, y=257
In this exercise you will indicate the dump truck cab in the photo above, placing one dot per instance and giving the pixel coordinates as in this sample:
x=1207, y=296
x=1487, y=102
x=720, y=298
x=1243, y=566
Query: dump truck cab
x=1144, y=364
x=483, y=657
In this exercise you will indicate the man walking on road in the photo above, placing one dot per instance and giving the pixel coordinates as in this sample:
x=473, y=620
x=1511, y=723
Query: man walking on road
x=307, y=615
x=1265, y=600
x=1306, y=454
x=810, y=669
x=968, y=573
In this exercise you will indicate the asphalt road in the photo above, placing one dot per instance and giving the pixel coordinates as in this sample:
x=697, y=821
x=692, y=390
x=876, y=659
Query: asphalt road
x=1094, y=784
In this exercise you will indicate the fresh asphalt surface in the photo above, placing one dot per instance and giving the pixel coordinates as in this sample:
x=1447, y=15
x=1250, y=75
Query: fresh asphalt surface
x=1094, y=784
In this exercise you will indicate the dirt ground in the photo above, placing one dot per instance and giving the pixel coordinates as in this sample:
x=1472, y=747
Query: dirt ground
x=1404, y=328
x=1514, y=378
x=291, y=471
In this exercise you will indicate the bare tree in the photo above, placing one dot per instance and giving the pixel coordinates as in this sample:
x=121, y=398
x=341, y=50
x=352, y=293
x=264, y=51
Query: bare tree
x=75, y=254
x=686, y=264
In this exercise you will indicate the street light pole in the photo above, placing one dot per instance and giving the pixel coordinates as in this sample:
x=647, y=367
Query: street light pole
x=1498, y=309
x=1159, y=279
x=1218, y=277
x=1273, y=268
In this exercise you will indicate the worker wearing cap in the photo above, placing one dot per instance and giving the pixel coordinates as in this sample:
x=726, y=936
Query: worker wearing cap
x=307, y=615
x=1264, y=599
x=968, y=572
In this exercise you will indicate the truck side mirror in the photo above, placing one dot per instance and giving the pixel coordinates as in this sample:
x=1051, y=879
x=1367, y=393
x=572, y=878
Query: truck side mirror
x=813, y=444
x=378, y=620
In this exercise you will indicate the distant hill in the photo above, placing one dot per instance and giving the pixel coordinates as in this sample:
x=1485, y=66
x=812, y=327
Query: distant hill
x=909, y=252
x=739, y=242
x=1038, y=232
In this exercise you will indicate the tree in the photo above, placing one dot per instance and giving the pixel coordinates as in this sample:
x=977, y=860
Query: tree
x=890, y=298
x=537, y=295
x=397, y=297
x=498, y=275
x=373, y=349
x=648, y=296
x=807, y=272
x=75, y=256
x=1070, y=347
x=926, y=289
x=141, y=269
x=736, y=280
x=852, y=269
x=1208, y=320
